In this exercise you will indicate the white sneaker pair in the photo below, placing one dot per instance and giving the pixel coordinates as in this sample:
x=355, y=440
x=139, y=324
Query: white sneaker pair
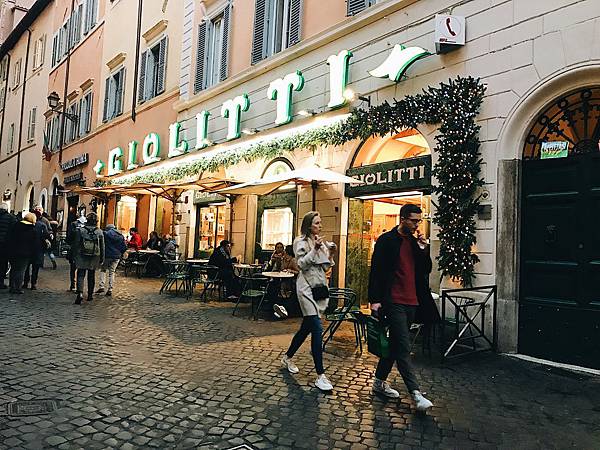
x=322, y=382
x=384, y=388
x=279, y=311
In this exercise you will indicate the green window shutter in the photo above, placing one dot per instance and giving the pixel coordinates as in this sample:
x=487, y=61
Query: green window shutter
x=258, y=41
x=356, y=6
x=225, y=48
x=90, y=102
x=161, y=67
x=120, y=89
x=142, y=80
x=295, y=27
x=200, y=58
x=106, y=100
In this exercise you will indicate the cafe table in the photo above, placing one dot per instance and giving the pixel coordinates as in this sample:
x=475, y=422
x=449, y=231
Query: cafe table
x=197, y=261
x=148, y=251
x=246, y=270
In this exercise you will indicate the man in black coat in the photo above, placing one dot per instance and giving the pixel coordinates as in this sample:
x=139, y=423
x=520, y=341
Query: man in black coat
x=221, y=258
x=399, y=292
x=7, y=222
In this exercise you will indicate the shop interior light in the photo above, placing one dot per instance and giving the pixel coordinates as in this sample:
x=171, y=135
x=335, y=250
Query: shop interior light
x=395, y=195
x=349, y=94
x=307, y=112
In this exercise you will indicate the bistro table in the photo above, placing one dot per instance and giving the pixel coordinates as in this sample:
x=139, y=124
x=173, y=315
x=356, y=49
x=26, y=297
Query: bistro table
x=246, y=270
x=148, y=251
x=197, y=261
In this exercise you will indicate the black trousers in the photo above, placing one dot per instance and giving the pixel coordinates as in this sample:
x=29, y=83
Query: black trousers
x=17, y=272
x=3, y=266
x=35, y=270
x=399, y=318
x=72, y=272
x=91, y=280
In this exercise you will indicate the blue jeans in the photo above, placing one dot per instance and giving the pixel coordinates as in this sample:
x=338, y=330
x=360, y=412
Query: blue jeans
x=310, y=325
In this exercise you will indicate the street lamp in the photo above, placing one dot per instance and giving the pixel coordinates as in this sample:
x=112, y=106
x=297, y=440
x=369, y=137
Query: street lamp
x=53, y=100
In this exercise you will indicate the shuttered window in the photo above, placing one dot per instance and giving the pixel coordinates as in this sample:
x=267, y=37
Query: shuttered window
x=277, y=26
x=356, y=6
x=113, y=101
x=31, y=124
x=85, y=114
x=153, y=71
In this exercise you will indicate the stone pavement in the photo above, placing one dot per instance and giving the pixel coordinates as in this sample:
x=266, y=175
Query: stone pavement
x=141, y=370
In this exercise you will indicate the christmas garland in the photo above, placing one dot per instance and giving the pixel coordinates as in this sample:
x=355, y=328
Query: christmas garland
x=453, y=106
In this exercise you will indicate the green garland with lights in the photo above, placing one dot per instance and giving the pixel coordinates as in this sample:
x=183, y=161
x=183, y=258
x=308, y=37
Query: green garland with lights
x=453, y=105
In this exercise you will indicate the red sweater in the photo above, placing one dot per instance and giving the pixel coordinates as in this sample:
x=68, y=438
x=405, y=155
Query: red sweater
x=404, y=290
x=135, y=242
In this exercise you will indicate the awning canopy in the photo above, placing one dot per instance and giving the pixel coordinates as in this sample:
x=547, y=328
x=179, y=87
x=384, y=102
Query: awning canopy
x=306, y=176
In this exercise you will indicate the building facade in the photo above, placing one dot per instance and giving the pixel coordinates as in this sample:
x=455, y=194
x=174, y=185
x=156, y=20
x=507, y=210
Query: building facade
x=252, y=84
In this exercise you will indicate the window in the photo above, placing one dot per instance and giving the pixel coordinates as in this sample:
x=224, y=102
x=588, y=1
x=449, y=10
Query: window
x=54, y=132
x=31, y=124
x=113, y=95
x=3, y=77
x=212, y=53
x=82, y=20
x=85, y=114
x=91, y=15
x=356, y=6
x=39, y=52
x=17, y=73
x=153, y=71
x=71, y=127
x=276, y=27
x=10, y=142
x=126, y=212
x=277, y=226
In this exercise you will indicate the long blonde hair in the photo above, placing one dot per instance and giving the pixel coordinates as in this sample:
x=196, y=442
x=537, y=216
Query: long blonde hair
x=307, y=221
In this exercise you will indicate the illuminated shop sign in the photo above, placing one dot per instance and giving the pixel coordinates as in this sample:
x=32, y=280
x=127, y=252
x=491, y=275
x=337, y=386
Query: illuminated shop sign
x=393, y=176
x=280, y=90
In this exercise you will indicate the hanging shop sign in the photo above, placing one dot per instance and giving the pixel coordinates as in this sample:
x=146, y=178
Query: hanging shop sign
x=76, y=177
x=557, y=149
x=75, y=162
x=280, y=90
x=393, y=176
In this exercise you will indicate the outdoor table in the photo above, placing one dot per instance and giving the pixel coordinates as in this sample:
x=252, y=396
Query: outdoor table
x=197, y=261
x=148, y=251
x=278, y=275
x=246, y=270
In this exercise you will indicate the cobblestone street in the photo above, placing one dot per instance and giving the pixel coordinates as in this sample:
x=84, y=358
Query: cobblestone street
x=141, y=370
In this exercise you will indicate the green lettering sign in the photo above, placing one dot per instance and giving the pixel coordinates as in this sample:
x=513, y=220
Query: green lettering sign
x=132, y=156
x=339, y=69
x=151, y=149
x=176, y=147
x=232, y=111
x=281, y=90
x=398, y=62
x=115, y=164
x=202, y=129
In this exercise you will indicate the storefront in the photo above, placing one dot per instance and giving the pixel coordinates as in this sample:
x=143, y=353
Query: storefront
x=212, y=222
x=396, y=170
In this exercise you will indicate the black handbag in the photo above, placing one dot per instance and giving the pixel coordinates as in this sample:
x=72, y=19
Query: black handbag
x=320, y=292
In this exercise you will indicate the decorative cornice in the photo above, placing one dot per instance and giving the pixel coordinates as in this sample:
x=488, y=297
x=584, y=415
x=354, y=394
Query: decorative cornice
x=116, y=60
x=86, y=84
x=153, y=32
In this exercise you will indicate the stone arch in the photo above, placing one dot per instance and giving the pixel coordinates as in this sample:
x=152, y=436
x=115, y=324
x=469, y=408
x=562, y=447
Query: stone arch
x=29, y=197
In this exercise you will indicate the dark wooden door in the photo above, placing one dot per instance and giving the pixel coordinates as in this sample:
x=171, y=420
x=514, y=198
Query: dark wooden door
x=559, y=317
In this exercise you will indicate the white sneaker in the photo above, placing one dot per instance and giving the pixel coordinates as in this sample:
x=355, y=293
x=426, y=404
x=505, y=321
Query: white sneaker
x=323, y=383
x=421, y=402
x=280, y=311
x=384, y=388
x=289, y=364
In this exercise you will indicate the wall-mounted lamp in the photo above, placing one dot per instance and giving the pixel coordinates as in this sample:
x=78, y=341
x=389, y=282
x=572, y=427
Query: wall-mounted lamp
x=307, y=112
x=349, y=95
x=250, y=130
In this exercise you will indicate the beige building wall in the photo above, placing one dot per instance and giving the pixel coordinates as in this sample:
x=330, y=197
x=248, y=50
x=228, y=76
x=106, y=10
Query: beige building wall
x=27, y=134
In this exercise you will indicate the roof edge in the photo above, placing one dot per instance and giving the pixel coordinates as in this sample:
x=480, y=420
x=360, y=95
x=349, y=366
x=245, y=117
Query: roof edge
x=36, y=9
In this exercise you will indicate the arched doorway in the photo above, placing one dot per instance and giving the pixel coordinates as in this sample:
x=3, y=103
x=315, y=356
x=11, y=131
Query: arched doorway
x=559, y=301
x=55, y=195
x=29, y=199
x=276, y=212
x=396, y=170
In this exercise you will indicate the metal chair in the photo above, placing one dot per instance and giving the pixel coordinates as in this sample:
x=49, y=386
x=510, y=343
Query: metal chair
x=177, y=275
x=342, y=307
x=207, y=276
x=255, y=289
x=137, y=261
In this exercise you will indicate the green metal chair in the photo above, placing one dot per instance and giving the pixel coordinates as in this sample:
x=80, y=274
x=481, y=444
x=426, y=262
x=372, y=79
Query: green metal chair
x=177, y=275
x=342, y=307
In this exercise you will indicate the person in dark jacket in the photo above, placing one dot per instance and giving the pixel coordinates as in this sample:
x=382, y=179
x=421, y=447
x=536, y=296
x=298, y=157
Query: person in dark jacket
x=88, y=253
x=42, y=241
x=21, y=248
x=7, y=223
x=71, y=236
x=154, y=242
x=398, y=292
x=114, y=247
x=221, y=258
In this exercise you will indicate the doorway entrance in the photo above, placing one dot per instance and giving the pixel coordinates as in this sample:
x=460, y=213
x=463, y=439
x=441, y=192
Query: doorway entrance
x=559, y=305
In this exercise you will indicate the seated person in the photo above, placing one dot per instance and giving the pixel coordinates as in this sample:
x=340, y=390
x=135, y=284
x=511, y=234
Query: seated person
x=154, y=242
x=287, y=287
x=135, y=240
x=276, y=258
x=221, y=258
x=169, y=249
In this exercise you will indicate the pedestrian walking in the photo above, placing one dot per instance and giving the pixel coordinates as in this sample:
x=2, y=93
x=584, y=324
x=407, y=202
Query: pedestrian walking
x=53, y=230
x=71, y=236
x=114, y=248
x=88, y=254
x=21, y=248
x=41, y=245
x=314, y=257
x=399, y=291
x=7, y=223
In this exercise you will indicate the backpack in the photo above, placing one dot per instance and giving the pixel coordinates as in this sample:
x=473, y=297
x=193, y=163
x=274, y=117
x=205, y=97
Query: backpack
x=90, y=242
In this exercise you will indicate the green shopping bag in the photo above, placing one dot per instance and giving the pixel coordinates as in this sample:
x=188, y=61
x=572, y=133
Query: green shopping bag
x=378, y=342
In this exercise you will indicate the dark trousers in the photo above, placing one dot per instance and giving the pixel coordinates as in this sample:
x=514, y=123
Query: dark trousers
x=17, y=272
x=231, y=282
x=399, y=318
x=3, y=266
x=91, y=280
x=35, y=270
x=310, y=325
x=72, y=272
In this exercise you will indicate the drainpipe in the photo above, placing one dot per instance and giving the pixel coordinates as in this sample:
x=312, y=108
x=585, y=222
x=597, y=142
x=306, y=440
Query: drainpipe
x=22, y=113
x=137, y=61
x=61, y=138
x=4, y=100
